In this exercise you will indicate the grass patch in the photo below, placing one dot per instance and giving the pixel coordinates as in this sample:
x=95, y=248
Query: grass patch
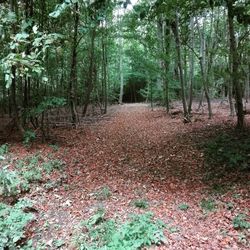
x=138, y=232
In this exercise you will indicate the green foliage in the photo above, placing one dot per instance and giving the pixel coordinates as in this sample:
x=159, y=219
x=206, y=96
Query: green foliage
x=141, y=204
x=140, y=231
x=208, y=205
x=54, y=147
x=103, y=193
x=183, y=206
x=230, y=151
x=28, y=137
x=52, y=165
x=29, y=169
x=10, y=183
x=240, y=222
x=4, y=149
x=46, y=104
x=13, y=222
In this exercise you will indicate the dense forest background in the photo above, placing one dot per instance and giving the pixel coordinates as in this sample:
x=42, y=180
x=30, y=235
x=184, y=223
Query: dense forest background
x=79, y=54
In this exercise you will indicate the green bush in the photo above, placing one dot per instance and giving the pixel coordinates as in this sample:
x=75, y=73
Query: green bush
x=140, y=231
x=183, y=206
x=10, y=183
x=228, y=150
x=13, y=222
x=240, y=222
x=29, y=169
x=208, y=205
x=104, y=193
x=28, y=137
x=52, y=165
x=4, y=149
x=141, y=204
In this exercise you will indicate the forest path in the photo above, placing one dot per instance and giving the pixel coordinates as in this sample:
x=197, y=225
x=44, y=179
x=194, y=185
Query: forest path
x=143, y=154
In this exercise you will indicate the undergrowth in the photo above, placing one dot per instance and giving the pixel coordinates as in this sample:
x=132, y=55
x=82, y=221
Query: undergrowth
x=228, y=151
x=97, y=233
x=30, y=170
x=13, y=223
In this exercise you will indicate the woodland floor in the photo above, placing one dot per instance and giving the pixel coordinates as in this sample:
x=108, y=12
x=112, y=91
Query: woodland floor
x=137, y=153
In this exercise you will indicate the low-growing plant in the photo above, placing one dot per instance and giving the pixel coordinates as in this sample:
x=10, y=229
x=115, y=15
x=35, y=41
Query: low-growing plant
x=13, y=222
x=183, y=206
x=208, y=205
x=4, y=149
x=52, y=165
x=29, y=168
x=104, y=193
x=10, y=183
x=140, y=231
x=228, y=150
x=28, y=137
x=141, y=203
x=240, y=222
x=55, y=147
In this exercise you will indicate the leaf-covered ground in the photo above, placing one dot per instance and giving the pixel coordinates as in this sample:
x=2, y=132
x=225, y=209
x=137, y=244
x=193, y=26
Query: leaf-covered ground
x=139, y=154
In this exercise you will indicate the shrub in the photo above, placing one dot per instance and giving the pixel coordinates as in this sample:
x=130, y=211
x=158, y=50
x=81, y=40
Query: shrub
x=29, y=169
x=103, y=194
x=240, y=222
x=140, y=231
x=13, y=222
x=228, y=150
x=141, y=204
x=183, y=206
x=28, y=137
x=10, y=183
x=208, y=205
x=52, y=165
x=4, y=149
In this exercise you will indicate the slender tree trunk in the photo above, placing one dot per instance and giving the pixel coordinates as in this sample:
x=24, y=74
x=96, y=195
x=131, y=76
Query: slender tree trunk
x=121, y=70
x=235, y=65
x=175, y=28
x=191, y=73
x=73, y=71
x=16, y=111
x=91, y=72
x=121, y=76
x=104, y=72
x=204, y=72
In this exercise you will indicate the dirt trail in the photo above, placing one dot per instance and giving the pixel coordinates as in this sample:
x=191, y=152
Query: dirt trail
x=142, y=154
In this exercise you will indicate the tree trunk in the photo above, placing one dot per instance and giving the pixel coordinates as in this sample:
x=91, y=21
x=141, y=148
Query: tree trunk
x=235, y=65
x=204, y=71
x=121, y=70
x=16, y=111
x=191, y=73
x=73, y=72
x=175, y=28
x=91, y=72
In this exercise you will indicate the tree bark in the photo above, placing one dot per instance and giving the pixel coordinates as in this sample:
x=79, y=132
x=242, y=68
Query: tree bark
x=91, y=72
x=175, y=28
x=235, y=65
x=191, y=72
x=73, y=72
